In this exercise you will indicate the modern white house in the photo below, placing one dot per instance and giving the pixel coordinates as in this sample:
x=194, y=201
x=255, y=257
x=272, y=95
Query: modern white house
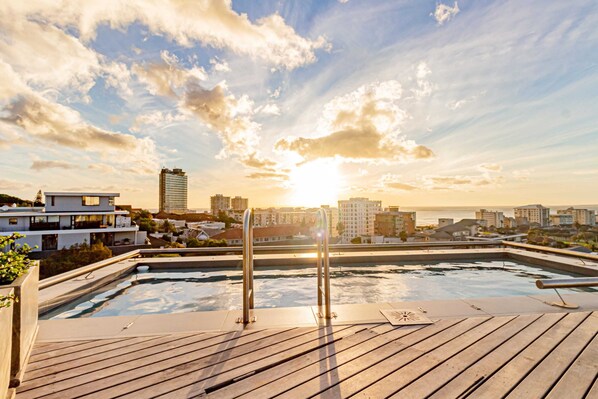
x=70, y=218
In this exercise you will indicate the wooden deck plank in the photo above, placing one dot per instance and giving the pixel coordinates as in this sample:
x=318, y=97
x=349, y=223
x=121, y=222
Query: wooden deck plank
x=137, y=350
x=198, y=380
x=75, y=349
x=401, y=349
x=500, y=383
x=123, y=372
x=39, y=348
x=540, y=380
x=384, y=380
x=593, y=392
x=578, y=379
x=284, y=376
x=488, y=365
x=66, y=361
x=433, y=380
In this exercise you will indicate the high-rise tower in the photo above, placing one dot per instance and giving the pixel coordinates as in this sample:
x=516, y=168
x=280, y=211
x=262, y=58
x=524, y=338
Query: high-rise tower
x=173, y=191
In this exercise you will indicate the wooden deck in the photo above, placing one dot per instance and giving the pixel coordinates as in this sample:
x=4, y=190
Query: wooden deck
x=527, y=356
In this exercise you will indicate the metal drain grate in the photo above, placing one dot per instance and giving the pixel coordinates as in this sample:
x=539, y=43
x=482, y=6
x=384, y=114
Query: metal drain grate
x=405, y=317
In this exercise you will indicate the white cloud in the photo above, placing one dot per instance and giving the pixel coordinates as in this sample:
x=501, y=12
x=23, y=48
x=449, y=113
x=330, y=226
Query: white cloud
x=219, y=65
x=157, y=119
x=361, y=126
x=490, y=167
x=445, y=13
x=8, y=184
x=40, y=165
x=268, y=109
x=209, y=22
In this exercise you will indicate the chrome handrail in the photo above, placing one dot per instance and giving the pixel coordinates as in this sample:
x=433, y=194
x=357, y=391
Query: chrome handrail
x=323, y=262
x=577, y=282
x=248, y=302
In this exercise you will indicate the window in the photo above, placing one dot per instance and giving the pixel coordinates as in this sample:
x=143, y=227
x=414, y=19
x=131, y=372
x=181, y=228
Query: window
x=111, y=201
x=91, y=201
x=49, y=242
x=52, y=200
x=13, y=221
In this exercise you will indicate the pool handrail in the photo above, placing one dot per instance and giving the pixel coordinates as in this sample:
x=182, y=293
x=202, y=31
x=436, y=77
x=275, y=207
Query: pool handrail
x=248, y=293
x=577, y=282
x=323, y=264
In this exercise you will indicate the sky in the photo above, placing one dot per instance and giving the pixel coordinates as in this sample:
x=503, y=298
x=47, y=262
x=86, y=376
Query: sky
x=302, y=103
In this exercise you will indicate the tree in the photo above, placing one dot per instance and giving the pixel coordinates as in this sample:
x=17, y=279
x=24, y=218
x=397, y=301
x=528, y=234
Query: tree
x=72, y=258
x=223, y=217
x=147, y=225
x=403, y=236
x=167, y=227
x=340, y=227
x=13, y=263
x=38, y=199
x=356, y=240
x=193, y=243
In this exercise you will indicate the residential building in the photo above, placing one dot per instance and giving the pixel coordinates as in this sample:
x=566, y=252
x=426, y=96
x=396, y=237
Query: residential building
x=71, y=218
x=332, y=215
x=581, y=216
x=239, y=204
x=392, y=222
x=173, y=191
x=491, y=218
x=219, y=203
x=534, y=213
x=561, y=219
x=510, y=222
x=457, y=231
x=266, y=235
x=357, y=216
x=443, y=222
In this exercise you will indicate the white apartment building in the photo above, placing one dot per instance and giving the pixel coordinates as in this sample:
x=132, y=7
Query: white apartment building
x=581, y=216
x=71, y=218
x=357, y=216
x=173, y=191
x=492, y=218
x=561, y=219
x=239, y=204
x=219, y=203
x=295, y=216
x=534, y=214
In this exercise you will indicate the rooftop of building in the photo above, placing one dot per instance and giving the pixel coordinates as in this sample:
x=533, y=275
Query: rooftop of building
x=79, y=194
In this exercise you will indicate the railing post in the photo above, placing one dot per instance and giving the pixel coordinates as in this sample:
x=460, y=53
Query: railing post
x=248, y=302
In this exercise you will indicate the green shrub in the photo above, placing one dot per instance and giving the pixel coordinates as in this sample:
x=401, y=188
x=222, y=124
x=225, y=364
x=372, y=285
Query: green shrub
x=13, y=263
x=73, y=258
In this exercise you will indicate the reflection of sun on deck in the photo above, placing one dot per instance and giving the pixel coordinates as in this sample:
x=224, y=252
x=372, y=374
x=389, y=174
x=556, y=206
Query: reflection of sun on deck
x=527, y=356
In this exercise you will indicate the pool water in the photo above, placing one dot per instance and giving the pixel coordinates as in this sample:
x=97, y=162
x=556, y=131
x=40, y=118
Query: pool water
x=220, y=289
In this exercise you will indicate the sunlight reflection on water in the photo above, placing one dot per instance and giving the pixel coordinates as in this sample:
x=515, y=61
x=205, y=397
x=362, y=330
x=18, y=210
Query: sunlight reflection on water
x=217, y=289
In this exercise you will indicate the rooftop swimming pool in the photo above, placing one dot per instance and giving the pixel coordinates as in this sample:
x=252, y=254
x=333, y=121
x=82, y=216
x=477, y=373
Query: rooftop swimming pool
x=170, y=291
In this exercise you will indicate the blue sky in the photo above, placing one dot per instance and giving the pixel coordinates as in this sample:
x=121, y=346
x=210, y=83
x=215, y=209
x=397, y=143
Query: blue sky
x=303, y=103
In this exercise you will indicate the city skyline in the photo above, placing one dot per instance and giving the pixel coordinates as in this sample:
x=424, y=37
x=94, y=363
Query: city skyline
x=411, y=103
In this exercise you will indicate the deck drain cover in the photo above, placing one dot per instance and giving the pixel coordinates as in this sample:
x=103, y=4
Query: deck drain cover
x=405, y=317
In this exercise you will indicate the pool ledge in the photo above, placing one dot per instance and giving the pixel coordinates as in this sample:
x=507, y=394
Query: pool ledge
x=285, y=318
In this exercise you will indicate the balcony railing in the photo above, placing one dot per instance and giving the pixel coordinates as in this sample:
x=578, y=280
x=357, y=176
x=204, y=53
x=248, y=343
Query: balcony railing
x=44, y=226
x=88, y=225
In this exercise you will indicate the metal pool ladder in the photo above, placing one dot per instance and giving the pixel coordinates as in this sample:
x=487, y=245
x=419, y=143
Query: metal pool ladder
x=247, y=268
x=323, y=266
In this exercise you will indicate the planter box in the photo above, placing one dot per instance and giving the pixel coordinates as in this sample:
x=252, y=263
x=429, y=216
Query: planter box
x=24, y=322
x=5, y=344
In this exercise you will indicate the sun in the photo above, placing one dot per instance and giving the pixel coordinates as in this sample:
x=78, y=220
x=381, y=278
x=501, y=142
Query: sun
x=315, y=183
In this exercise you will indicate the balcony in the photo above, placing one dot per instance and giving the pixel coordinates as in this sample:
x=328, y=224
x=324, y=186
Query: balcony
x=44, y=226
x=89, y=225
